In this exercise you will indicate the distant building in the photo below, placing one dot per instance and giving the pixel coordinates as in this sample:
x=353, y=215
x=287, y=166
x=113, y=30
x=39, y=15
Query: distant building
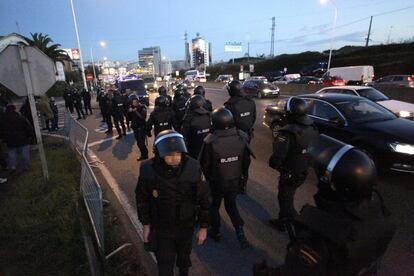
x=149, y=60
x=199, y=53
x=166, y=67
x=178, y=65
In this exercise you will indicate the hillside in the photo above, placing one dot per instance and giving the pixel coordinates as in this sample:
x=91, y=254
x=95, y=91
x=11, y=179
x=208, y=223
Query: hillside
x=386, y=59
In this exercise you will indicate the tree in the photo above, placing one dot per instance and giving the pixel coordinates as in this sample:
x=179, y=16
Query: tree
x=53, y=51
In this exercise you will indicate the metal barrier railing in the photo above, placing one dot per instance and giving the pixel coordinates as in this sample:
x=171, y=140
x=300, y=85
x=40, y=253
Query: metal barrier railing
x=90, y=189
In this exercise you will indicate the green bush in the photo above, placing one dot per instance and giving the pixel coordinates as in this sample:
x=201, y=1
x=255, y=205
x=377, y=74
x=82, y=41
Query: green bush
x=58, y=89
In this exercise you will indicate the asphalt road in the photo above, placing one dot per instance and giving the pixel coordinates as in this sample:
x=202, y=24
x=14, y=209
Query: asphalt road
x=259, y=204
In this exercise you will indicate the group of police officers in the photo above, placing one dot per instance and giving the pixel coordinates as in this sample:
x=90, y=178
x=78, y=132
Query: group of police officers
x=205, y=160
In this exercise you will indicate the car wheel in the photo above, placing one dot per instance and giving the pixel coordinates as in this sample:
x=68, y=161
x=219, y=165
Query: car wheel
x=259, y=95
x=275, y=129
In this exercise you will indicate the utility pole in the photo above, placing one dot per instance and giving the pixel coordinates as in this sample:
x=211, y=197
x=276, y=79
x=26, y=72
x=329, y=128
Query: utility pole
x=248, y=51
x=389, y=35
x=272, y=40
x=369, y=32
x=186, y=63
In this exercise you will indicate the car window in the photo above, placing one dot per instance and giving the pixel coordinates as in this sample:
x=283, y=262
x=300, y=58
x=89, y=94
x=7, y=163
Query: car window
x=324, y=110
x=347, y=92
x=398, y=78
x=364, y=111
x=338, y=91
x=372, y=94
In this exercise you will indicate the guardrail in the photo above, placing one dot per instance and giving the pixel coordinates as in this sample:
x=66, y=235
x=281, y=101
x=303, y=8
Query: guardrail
x=90, y=189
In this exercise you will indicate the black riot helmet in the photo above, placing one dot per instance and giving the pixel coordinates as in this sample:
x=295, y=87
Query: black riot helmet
x=199, y=90
x=222, y=118
x=234, y=88
x=345, y=173
x=296, y=107
x=169, y=141
x=162, y=91
x=161, y=101
x=197, y=101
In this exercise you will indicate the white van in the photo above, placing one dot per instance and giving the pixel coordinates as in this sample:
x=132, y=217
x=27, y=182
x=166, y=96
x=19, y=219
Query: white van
x=353, y=74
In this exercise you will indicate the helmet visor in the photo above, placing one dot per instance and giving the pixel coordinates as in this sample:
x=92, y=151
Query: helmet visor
x=173, y=142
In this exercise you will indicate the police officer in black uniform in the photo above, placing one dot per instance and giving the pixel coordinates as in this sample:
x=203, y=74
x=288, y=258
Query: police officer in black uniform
x=196, y=125
x=86, y=97
x=225, y=157
x=100, y=98
x=68, y=97
x=137, y=112
x=162, y=118
x=77, y=102
x=178, y=105
x=118, y=113
x=290, y=157
x=107, y=109
x=171, y=193
x=243, y=109
x=199, y=90
x=162, y=91
x=350, y=229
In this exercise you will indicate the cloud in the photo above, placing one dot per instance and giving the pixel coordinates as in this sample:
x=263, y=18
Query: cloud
x=320, y=29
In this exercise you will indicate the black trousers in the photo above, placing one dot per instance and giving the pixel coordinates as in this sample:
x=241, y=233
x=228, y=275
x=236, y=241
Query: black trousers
x=288, y=183
x=69, y=105
x=79, y=110
x=119, y=119
x=108, y=120
x=229, y=195
x=128, y=120
x=140, y=134
x=87, y=105
x=171, y=250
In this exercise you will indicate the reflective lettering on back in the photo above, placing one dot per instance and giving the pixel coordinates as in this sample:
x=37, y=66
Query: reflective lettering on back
x=245, y=114
x=229, y=159
x=202, y=131
x=163, y=124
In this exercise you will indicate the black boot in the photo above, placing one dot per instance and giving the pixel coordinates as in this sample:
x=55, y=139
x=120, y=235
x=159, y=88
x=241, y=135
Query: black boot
x=279, y=224
x=215, y=234
x=241, y=237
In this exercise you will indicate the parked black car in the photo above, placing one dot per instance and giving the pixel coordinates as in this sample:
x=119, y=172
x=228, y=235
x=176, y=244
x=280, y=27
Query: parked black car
x=387, y=139
x=306, y=80
x=260, y=88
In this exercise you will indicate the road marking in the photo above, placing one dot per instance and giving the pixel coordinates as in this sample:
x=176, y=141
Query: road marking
x=106, y=140
x=129, y=210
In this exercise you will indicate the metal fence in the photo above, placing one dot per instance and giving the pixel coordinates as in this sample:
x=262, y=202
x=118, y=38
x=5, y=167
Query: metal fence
x=90, y=189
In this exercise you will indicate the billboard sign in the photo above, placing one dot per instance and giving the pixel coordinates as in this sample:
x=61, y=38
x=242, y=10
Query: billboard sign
x=233, y=47
x=75, y=54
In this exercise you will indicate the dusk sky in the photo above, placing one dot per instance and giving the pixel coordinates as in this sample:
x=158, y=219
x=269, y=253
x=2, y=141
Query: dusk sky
x=129, y=25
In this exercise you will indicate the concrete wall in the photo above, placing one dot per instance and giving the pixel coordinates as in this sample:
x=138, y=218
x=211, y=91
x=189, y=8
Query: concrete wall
x=397, y=93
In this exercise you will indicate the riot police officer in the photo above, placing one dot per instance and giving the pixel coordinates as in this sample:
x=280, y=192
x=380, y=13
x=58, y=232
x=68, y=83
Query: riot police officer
x=244, y=113
x=107, y=109
x=137, y=112
x=170, y=190
x=349, y=229
x=77, y=102
x=178, y=105
x=196, y=125
x=225, y=157
x=100, y=98
x=162, y=91
x=162, y=118
x=68, y=97
x=242, y=107
x=118, y=113
x=290, y=157
x=199, y=90
x=86, y=97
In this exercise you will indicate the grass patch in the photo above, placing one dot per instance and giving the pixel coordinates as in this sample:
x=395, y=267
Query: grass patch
x=39, y=229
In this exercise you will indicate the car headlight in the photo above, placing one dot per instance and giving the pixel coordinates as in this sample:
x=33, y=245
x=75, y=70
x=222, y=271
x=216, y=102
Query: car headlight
x=267, y=90
x=402, y=148
x=403, y=114
x=146, y=86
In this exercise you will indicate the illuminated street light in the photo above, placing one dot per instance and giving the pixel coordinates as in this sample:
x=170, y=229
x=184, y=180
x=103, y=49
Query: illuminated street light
x=333, y=29
x=102, y=43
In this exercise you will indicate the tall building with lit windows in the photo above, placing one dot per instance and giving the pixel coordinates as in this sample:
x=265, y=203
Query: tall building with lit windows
x=200, y=54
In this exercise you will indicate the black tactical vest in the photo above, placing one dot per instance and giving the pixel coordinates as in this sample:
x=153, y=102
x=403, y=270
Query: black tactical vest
x=244, y=113
x=173, y=200
x=162, y=120
x=200, y=125
x=297, y=160
x=118, y=102
x=355, y=241
x=228, y=149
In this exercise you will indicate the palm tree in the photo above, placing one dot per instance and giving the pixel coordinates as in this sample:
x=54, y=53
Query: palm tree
x=42, y=41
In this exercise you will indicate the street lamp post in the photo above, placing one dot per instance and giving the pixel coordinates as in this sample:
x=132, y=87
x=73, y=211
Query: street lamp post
x=78, y=40
x=333, y=30
x=102, y=44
